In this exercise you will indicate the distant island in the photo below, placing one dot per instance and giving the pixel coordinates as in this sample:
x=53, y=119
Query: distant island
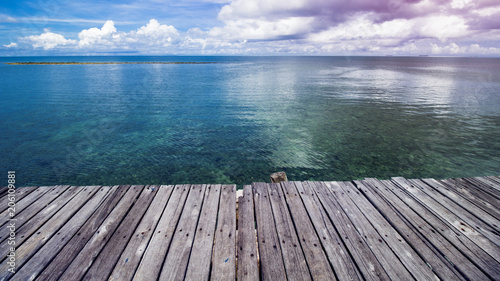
x=120, y=62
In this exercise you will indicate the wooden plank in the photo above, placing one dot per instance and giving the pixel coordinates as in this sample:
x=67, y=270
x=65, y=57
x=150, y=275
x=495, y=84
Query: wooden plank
x=43, y=257
x=479, y=213
x=19, y=195
x=295, y=263
x=467, y=247
x=82, y=262
x=478, y=198
x=464, y=192
x=395, y=240
x=49, y=229
x=30, y=205
x=478, y=191
x=27, y=226
x=201, y=257
x=3, y=191
x=392, y=265
x=64, y=258
x=455, y=215
x=483, y=184
x=318, y=264
x=131, y=256
x=337, y=254
x=418, y=241
x=367, y=262
x=224, y=256
x=152, y=260
x=176, y=262
x=103, y=265
x=495, y=180
x=248, y=266
x=271, y=259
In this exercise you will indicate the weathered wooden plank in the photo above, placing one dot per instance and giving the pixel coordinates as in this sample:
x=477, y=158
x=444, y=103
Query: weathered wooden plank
x=271, y=259
x=248, y=266
x=79, y=266
x=479, y=213
x=395, y=240
x=67, y=254
x=224, y=256
x=103, y=265
x=175, y=265
x=49, y=229
x=408, y=225
x=495, y=180
x=467, y=247
x=201, y=253
x=293, y=256
x=47, y=252
x=318, y=264
x=152, y=260
x=483, y=185
x=392, y=265
x=31, y=205
x=367, y=262
x=3, y=191
x=337, y=254
x=476, y=188
x=131, y=256
x=19, y=195
x=455, y=215
x=28, y=226
x=478, y=198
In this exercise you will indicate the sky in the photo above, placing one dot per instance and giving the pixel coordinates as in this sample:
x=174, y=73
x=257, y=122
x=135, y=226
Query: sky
x=250, y=27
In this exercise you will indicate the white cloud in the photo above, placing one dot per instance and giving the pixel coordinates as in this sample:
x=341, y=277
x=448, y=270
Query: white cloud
x=155, y=34
x=256, y=29
x=95, y=36
x=48, y=40
x=455, y=49
x=11, y=45
x=5, y=18
x=442, y=27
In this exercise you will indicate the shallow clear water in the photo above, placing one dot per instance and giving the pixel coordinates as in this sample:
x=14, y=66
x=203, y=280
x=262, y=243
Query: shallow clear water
x=317, y=118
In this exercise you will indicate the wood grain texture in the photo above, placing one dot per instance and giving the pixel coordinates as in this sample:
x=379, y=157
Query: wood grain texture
x=318, y=264
x=295, y=263
x=224, y=256
x=396, y=241
x=103, y=265
x=248, y=266
x=367, y=262
x=337, y=254
x=154, y=256
x=33, y=218
x=19, y=195
x=84, y=260
x=46, y=253
x=30, y=206
x=132, y=254
x=201, y=253
x=271, y=258
x=49, y=229
x=395, y=229
x=470, y=250
x=454, y=216
x=176, y=262
x=67, y=254
x=411, y=226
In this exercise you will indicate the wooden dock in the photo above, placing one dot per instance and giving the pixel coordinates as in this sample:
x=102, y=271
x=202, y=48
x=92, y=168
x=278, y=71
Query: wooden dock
x=394, y=229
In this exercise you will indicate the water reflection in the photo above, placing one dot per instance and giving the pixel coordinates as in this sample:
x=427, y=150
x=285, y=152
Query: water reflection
x=316, y=118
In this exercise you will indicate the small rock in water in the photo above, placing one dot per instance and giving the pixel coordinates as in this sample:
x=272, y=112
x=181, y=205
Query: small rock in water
x=278, y=177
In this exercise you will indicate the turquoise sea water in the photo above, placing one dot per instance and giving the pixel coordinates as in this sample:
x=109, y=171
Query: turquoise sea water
x=237, y=121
